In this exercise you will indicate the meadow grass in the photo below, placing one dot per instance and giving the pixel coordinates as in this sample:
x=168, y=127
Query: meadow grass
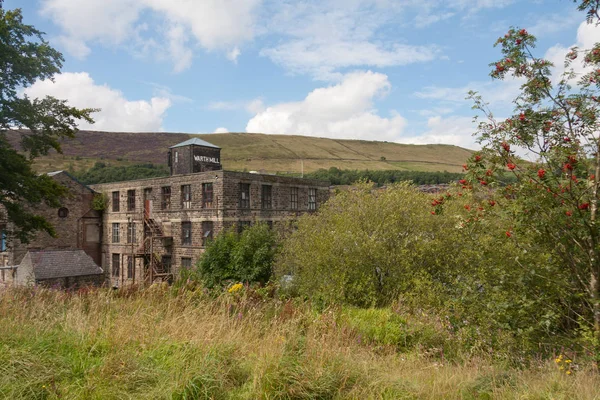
x=251, y=151
x=168, y=343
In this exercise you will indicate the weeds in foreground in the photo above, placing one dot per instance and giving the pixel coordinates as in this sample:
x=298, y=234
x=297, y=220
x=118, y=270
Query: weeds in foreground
x=162, y=343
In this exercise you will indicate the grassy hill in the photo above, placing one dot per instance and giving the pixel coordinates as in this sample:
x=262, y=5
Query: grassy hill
x=255, y=151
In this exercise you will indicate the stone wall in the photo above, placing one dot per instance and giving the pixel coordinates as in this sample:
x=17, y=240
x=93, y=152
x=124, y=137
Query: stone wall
x=72, y=282
x=224, y=212
x=190, y=159
x=74, y=225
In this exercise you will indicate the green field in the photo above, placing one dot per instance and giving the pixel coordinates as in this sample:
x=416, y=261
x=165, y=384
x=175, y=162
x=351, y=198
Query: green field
x=254, y=151
x=168, y=343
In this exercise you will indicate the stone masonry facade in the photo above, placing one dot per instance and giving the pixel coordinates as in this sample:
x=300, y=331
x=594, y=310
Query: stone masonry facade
x=155, y=227
x=190, y=213
x=77, y=226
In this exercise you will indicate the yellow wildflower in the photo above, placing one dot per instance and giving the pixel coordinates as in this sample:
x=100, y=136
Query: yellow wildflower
x=235, y=288
x=569, y=372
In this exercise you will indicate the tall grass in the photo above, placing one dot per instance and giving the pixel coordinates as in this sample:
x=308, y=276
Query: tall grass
x=166, y=343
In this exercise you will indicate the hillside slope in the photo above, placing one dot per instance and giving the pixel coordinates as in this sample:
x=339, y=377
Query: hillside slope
x=255, y=151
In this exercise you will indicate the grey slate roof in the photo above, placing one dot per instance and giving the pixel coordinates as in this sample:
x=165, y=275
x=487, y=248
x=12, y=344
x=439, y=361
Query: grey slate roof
x=48, y=264
x=197, y=142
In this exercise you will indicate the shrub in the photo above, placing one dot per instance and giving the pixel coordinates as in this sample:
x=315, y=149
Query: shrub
x=369, y=248
x=245, y=257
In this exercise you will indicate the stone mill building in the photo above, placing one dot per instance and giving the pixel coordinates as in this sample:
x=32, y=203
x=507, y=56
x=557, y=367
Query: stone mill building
x=152, y=228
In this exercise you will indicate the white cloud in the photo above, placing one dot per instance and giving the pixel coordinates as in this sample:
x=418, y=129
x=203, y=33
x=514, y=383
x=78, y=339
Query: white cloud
x=221, y=130
x=344, y=110
x=587, y=36
x=548, y=24
x=319, y=38
x=179, y=52
x=497, y=93
x=210, y=24
x=234, y=54
x=117, y=113
x=163, y=91
x=456, y=130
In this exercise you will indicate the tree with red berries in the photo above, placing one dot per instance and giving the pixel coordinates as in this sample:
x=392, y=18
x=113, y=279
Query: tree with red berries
x=553, y=206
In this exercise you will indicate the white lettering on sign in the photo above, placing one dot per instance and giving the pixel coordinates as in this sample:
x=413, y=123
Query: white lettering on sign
x=206, y=159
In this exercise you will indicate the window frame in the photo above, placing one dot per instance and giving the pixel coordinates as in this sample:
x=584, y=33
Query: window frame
x=186, y=196
x=266, y=197
x=130, y=267
x=131, y=200
x=116, y=232
x=244, y=196
x=165, y=198
x=294, y=197
x=115, y=272
x=186, y=227
x=116, y=201
x=243, y=225
x=3, y=239
x=208, y=228
x=131, y=234
x=312, y=199
x=207, y=195
x=183, y=264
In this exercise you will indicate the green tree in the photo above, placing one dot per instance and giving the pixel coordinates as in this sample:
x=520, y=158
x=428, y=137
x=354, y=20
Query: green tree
x=370, y=247
x=24, y=58
x=553, y=207
x=246, y=257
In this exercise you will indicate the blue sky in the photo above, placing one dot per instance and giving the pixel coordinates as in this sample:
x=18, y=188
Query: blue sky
x=353, y=69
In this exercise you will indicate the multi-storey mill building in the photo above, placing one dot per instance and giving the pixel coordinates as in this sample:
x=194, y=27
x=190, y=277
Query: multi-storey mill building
x=152, y=228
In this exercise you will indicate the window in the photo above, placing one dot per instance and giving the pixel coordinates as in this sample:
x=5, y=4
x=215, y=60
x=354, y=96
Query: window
x=115, y=232
x=131, y=232
x=312, y=199
x=186, y=233
x=63, y=212
x=244, y=195
x=207, y=232
x=131, y=200
x=166, y=263
x=207, y=195
x=186, y=262
x=116, y=265
x=186, y=196
x=294, y=198
x=115, y=201
x=242, y=225
x=2, y=238
x=266, y=197
x=165, y=198
x=130, y=265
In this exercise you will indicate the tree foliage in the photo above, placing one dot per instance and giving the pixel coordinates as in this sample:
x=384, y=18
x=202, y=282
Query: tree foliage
x=372, y=247
x=348, y=177
x=553, y=206
x=103, y=173
x=24, y=58
x=246, y=257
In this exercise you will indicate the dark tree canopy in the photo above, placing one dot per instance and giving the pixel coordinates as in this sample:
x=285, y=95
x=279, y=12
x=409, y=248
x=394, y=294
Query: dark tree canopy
x=26, y=57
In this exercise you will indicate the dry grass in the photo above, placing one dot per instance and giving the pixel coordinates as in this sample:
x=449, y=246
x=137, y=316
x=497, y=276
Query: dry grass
x=184, y=345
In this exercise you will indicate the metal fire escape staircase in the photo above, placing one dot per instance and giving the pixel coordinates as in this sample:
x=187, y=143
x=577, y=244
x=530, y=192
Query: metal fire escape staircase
x=154, y=241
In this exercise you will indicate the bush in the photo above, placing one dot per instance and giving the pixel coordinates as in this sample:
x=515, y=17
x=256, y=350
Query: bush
x=369, y=248
x=245, y=257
